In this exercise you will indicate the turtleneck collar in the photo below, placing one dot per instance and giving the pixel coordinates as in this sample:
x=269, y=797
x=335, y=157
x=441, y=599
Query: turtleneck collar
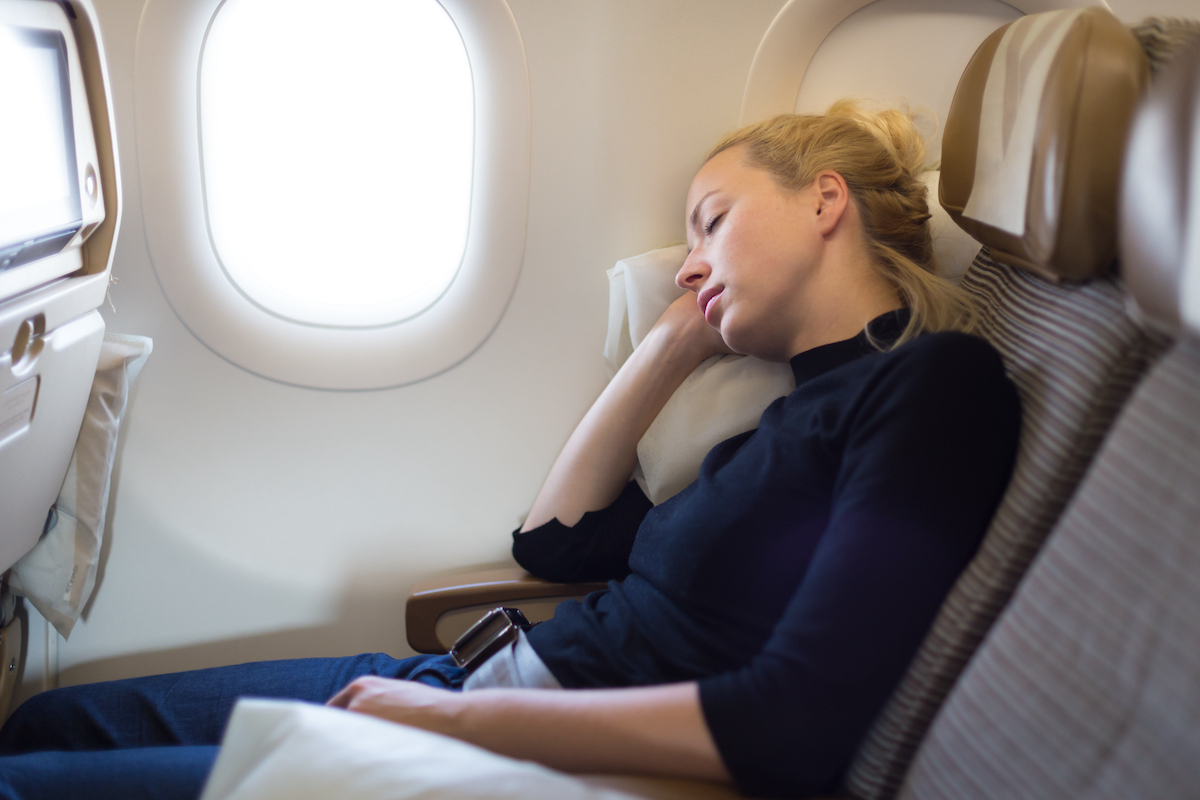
x=885, y=329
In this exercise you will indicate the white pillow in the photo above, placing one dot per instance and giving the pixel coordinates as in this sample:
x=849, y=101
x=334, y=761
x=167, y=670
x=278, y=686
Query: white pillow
x=285, y=750
x=723, y=397
x=59, y=573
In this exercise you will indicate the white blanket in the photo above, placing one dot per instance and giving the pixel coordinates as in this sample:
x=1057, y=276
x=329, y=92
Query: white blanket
x=282, y=750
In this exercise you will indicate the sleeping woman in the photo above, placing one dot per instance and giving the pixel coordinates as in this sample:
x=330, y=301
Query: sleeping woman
x=755, y=623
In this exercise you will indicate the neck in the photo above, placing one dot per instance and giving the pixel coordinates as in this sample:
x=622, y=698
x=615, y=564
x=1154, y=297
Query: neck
x=844, y=296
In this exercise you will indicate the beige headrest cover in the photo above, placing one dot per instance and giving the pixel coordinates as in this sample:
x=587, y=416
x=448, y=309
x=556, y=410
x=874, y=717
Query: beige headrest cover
x=1160, y=198
x=1032, y=152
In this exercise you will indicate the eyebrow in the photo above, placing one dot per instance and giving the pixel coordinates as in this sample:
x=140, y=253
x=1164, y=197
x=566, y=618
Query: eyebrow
x=695, y=218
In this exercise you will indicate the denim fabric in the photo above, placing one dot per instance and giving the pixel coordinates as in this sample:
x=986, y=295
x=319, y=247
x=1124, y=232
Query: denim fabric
x=156, y=737
x=162, y=773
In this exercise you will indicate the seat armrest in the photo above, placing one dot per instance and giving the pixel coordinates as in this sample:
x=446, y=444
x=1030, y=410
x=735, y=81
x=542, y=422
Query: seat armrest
x=432, y=598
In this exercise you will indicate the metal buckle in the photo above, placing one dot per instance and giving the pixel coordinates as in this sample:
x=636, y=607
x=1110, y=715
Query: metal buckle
x=494, y=630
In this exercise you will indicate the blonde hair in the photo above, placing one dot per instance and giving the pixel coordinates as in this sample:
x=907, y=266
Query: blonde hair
x=880, y=155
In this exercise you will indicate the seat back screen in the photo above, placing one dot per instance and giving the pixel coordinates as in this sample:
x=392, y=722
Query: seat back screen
x=39, y=183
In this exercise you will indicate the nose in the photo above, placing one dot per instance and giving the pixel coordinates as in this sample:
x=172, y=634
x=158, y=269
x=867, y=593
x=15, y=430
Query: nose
x=693, y=273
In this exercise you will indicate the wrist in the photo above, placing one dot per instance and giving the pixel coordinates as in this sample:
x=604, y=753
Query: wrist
x=680, y=346
x=482, y=718
x=455, y=713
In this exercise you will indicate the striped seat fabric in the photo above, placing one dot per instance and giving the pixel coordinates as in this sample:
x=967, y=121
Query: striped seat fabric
x=1089, y=686
x=1072, y=350
x=1075, y=356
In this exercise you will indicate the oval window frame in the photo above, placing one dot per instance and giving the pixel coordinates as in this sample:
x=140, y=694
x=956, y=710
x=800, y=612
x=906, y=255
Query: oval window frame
x=166, y=86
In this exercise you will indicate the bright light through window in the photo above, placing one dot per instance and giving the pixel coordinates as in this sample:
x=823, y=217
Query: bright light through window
x=337, y=148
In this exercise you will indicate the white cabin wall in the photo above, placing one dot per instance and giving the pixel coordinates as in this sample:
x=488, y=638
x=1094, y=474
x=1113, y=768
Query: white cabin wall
x=252, y=520
x=257, y=520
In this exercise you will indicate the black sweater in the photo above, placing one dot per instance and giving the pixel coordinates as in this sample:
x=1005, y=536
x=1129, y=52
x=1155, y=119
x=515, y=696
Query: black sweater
x=797, y=575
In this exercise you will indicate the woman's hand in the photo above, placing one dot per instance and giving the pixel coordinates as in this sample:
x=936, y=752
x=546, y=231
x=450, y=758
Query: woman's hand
x=406, y=702
x=653, y=730
x=683, y=319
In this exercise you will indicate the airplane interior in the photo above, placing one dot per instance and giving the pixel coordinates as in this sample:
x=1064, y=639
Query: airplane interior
x=299, y=302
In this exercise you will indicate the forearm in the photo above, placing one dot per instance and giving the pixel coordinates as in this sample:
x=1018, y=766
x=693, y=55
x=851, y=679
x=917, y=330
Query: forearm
x=599, y=457
x=657, y=730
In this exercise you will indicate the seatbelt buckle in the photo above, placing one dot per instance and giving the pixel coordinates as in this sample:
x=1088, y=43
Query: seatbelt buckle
x=497, y=628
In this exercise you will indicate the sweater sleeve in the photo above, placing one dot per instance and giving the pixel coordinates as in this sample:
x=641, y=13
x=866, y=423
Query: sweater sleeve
x=596, y=548
x=926, y=460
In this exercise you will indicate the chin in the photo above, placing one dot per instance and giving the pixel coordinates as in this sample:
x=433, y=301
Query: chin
x=749, y=346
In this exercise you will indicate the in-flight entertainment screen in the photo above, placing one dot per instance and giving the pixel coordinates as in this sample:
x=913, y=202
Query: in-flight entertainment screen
x=39, y=185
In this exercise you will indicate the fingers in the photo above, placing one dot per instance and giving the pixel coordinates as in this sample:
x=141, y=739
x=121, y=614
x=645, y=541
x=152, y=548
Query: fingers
x=341, y=699
x=400, y=701
x=354, y=691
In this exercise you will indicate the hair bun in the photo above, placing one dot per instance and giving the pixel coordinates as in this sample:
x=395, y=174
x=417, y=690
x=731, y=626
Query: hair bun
x=896, y=129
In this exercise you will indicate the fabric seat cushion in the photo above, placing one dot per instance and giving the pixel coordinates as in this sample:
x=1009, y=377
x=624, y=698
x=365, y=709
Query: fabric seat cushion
x=1101, y=697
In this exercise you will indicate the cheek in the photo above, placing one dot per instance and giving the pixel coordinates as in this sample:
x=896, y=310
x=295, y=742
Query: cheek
x=760, y=257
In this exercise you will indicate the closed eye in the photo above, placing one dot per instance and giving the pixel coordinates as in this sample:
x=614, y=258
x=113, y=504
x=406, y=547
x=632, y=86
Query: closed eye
x=711, y=224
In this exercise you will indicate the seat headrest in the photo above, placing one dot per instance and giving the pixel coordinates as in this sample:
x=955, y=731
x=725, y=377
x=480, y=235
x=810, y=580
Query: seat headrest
x=1160, y=209
x=1034, y=139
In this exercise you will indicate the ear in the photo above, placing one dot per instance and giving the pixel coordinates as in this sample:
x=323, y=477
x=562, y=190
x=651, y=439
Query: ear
x=833, y=197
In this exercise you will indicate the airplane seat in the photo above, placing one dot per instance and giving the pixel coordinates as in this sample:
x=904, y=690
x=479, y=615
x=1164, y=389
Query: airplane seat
x=1089, y=683
x=1030, y=167
x=59, y=213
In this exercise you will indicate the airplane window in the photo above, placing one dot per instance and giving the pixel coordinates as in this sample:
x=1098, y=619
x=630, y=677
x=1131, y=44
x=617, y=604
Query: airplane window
x=334, y=195
x=337, y=155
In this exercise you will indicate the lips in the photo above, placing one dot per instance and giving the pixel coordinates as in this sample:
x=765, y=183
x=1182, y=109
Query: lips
x=706, y=299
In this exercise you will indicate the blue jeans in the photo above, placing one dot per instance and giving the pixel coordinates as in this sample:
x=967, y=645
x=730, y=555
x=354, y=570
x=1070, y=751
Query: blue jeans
x=157, y=737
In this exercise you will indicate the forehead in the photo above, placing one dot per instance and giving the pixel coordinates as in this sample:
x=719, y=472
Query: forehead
x=727, y=171
x=720, y=168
